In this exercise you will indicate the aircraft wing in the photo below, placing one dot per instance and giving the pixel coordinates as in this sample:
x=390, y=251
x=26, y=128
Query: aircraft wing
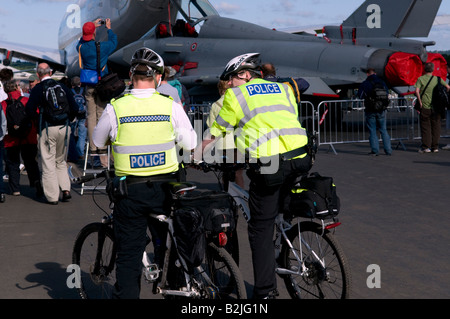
x=9, y=50
x=317, y=87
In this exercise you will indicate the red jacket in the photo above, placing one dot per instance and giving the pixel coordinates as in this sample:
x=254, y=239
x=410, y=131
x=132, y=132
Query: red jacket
x=13, y=140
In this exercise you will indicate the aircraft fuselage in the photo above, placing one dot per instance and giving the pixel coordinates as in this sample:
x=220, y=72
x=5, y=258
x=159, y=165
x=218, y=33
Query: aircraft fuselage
x=130, y=20
x=203, y=58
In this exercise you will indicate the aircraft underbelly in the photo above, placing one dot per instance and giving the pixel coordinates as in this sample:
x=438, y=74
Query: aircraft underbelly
x=290, y=58
x=344, y=61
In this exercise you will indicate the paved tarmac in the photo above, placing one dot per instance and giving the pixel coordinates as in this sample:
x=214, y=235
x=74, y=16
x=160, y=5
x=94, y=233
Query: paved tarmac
x=394, y=211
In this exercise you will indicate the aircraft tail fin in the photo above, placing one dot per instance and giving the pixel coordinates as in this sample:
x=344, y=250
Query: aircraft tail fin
x=387, y=18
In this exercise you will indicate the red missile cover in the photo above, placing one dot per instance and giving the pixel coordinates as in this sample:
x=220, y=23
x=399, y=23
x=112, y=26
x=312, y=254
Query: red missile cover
x=403, y=69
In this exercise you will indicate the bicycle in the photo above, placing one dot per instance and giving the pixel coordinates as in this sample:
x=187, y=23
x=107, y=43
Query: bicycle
x=309, y=259
x=94, y=251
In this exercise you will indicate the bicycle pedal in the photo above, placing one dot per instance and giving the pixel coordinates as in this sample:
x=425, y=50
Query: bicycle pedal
x=151, y=272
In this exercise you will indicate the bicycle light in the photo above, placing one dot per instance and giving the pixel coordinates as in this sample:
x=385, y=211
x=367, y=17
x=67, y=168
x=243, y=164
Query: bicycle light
x=223, y=239
x=332, y=225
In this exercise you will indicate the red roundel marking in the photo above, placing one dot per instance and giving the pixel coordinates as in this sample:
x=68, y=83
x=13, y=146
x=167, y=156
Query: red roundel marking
x=194, y=46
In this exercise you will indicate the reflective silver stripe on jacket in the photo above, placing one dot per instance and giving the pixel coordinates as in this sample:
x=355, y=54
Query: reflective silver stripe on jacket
x=143, y=149
x=275, y=133
x=222, y=122
x=248, y=115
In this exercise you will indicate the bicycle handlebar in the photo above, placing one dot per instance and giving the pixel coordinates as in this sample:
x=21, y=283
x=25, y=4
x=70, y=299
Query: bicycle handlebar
x=208, y=167
x=88, y=177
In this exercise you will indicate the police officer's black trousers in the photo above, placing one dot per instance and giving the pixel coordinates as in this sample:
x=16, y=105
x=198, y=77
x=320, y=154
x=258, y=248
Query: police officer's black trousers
x=130, y=226
x=265, y=202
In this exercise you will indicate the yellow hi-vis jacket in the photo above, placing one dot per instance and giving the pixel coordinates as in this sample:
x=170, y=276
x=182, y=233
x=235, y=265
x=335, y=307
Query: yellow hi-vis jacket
x=264, y=118
x=145, y=141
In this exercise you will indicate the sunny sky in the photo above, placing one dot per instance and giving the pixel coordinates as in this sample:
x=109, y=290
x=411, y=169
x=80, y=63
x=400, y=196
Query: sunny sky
x=36, y=22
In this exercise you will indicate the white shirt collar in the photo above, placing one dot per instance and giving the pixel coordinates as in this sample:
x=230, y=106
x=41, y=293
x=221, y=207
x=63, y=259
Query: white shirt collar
x=142, y=93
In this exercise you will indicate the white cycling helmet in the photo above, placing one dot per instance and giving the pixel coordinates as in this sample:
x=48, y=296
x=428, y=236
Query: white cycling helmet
x=242, y=62
x=145, y=56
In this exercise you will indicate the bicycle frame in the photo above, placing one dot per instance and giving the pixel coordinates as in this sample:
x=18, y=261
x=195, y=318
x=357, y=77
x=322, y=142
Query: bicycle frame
x=241, y=197
x=190, y=291
x=284, y=226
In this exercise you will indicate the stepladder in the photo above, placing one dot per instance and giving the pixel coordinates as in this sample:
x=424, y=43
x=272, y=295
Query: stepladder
x=93, y=164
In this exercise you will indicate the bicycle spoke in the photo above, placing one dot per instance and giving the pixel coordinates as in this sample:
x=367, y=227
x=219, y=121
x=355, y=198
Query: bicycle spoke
x=322, y=272
x=93, y=252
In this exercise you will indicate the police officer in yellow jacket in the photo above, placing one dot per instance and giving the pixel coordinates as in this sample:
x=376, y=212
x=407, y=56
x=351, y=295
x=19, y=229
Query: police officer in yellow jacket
x=263, y=116
x=143, y=128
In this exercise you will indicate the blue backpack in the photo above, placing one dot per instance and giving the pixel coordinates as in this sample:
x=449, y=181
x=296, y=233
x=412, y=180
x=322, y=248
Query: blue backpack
x=80, y=99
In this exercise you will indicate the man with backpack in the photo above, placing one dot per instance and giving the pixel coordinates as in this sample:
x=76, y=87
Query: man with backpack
x=78, y=127
x=375, y=94
x=54, y=105
x=430, y=119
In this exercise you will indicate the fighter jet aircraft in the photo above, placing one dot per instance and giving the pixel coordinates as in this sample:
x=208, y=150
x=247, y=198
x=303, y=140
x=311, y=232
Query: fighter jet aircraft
x=372, y=37
x=198, y=43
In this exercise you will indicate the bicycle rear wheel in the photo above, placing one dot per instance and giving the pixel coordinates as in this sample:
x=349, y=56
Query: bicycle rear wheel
x=224, y=273
x=94, y=252
x=324, y=273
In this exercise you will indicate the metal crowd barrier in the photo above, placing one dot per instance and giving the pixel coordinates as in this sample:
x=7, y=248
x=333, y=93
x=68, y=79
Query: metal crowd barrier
x=198, y=114
x=343, y=121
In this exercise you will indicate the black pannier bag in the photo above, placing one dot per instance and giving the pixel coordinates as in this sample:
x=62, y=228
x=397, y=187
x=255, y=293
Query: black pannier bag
x=217, y=207
x=189, y=234
x=315, y=197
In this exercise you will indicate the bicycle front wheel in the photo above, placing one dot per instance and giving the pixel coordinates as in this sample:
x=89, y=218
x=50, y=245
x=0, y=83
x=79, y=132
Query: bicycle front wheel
x=94, y=252
x=222, y=270
x=322, y=272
